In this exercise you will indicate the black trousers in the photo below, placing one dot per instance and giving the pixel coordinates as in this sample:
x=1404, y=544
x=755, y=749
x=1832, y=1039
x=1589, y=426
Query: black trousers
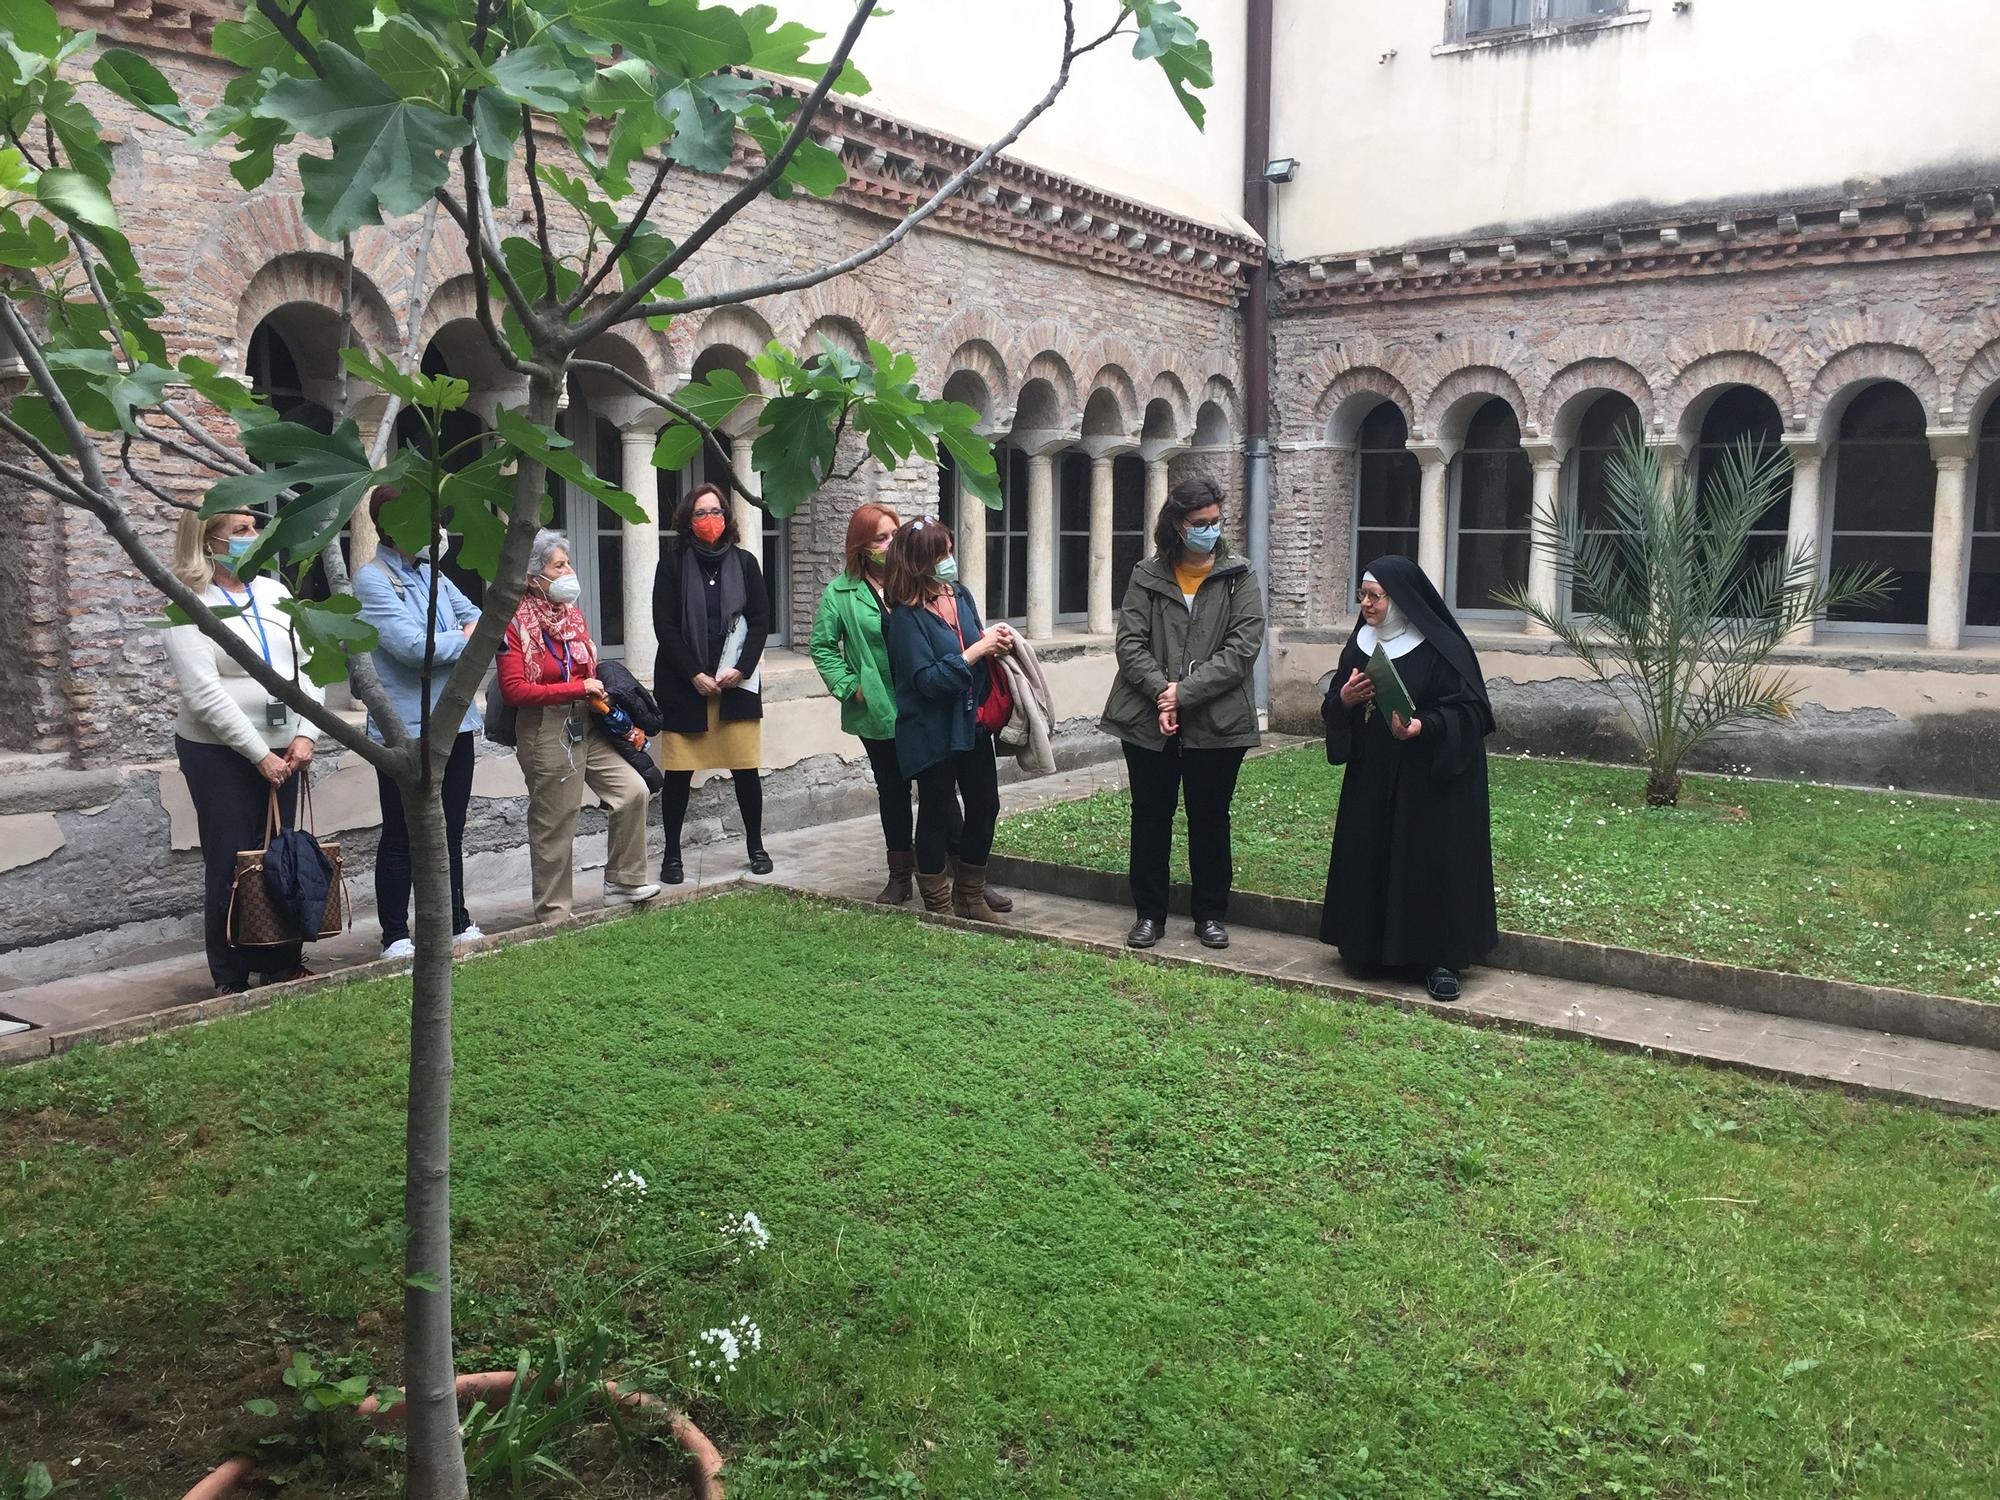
x=231, y=801
x=1159, y=780
x=679, y=785
x=964, y=786
x=392, y=855
x=892, y=794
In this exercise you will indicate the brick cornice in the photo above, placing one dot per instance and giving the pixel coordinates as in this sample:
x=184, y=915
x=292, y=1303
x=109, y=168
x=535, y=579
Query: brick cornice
x=1951, y=222
x=892, y=166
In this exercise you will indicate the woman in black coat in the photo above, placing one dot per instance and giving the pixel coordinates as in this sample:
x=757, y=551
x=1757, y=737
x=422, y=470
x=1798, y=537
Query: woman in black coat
x=712, y=618
x=938, y=655
x=1410, y=881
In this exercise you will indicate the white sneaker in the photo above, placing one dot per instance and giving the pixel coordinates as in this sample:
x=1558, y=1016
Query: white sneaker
x=471, y=934
x=628, y=895
x=401, y=948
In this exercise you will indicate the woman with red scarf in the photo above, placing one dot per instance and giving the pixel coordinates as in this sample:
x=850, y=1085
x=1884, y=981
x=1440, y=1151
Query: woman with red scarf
x=548, y=667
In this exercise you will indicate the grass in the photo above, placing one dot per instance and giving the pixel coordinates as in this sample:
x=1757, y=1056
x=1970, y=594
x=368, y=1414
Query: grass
x=1042, y=1224
x=1883, y=888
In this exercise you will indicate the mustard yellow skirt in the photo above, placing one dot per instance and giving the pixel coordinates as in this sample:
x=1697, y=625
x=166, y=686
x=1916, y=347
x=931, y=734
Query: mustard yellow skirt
x=735, y=746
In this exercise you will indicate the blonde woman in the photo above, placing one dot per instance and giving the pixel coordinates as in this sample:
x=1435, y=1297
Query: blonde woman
x=235, y=741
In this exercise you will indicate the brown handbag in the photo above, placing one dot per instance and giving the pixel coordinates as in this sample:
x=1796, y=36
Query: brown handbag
x=254, y=921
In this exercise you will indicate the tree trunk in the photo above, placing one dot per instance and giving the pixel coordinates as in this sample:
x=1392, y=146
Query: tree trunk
x=1663, y=787
x=436, y=1454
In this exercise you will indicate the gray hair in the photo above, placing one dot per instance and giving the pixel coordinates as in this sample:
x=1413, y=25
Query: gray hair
x=546, y=543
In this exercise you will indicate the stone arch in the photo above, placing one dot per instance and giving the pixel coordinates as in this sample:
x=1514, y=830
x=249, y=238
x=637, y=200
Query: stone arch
x=1502, y=357
x=1112, y=387
x=309, y=279
x=1456, y=397
x=973, y=329
x=1307, y=407
x=1977, y=385
x=1219, y=402
x=227, y=261
x=1041, y=408
x=1761, y=339
x=978, y=360
x=845, y=303
x=1345, y=403
x=1696, y=387
x=1054, y=372
x=1571, y=391
x=1168, y=389
x=740, y=329
x=1854, y=369
x=844, y=334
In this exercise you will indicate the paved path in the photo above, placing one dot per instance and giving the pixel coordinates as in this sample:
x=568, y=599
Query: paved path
x=842, y=861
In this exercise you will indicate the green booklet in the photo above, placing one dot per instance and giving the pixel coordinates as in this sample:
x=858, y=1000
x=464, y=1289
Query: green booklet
x=1391, y=697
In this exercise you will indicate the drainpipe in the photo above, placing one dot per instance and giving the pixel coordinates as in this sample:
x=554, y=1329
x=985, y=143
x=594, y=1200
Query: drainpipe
x=1257, y=329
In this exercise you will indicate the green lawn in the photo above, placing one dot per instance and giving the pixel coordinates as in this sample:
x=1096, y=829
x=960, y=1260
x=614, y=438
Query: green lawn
x=1042, y=1224
x=1881, y=887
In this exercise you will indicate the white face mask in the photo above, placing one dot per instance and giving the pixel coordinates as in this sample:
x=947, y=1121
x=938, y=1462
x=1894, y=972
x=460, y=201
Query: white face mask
x=564, y=590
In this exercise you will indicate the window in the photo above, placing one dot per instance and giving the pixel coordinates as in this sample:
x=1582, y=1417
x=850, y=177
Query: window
x=1745, y=412
x=274, y=375
x=457, y=434
x=1884, y=487
x=775, y=557
x=1386, y=478
x=1072, y=478
x=1982, y=594
x=1129, y=542
x=1007, y=540
x=947, y=490
x=1494, y=509
x=1477, y=21
x=1610, y=422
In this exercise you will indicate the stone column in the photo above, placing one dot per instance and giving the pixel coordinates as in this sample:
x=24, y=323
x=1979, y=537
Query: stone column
x=1041, y=545
x=1433, y=495
x=1951, y=449
x=749, y=515
x=1803, y=530
x=971, y=538
x=1156, y=493
x=642, y=544
x=1544, y=574
x=1101, y=604
x=1673, y=462
x=363, y=541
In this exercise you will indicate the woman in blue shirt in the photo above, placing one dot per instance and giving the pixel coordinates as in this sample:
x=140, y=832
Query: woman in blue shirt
x=938, y=650
x=394, y=588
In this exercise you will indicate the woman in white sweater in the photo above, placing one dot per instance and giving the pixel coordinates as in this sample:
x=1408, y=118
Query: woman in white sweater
x=234, y=741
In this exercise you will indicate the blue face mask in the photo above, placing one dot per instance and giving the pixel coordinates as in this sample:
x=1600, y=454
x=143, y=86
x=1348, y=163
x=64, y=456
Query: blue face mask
x=1202, y=538
x=946, y=571
x=238, y=549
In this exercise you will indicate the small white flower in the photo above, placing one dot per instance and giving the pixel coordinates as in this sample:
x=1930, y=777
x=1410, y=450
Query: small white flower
x=625, y=1183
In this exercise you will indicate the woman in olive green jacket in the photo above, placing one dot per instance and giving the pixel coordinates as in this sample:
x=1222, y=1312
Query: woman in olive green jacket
x=1183, y=704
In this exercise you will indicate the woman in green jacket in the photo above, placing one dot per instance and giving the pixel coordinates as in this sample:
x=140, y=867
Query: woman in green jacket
x=1188, y=638
x=854, y=664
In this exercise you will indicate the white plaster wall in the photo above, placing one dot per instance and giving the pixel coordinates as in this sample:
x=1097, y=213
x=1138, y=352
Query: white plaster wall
x=1735, y=98
x=971, y=70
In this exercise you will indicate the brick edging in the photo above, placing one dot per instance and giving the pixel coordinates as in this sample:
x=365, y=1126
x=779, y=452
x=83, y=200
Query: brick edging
x=1935, y=1018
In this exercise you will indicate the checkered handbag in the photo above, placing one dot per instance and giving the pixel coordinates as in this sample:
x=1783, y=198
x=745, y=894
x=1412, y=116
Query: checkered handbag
x=254, y=920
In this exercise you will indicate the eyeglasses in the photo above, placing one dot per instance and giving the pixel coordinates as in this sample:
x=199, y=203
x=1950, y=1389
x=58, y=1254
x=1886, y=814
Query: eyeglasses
x=700, y=513
x=1370, y=596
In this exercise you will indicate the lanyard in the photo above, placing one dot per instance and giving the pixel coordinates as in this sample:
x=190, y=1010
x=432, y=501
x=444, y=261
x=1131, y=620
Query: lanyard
x=250, y=603
x=550, y=643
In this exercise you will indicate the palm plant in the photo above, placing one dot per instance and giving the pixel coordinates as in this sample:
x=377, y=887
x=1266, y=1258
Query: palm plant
x=1672, y=616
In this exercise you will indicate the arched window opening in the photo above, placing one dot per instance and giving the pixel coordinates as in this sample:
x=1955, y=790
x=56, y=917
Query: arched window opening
x=1129, y=542
x=1007, y=540
x=1387, y=478
x=1609, y=423
x=1493, y=510
x=457, y=448
x=274, y=375
x=1885, y=486
x=1982, y=593
x=1072, y=478
x=1739, y=413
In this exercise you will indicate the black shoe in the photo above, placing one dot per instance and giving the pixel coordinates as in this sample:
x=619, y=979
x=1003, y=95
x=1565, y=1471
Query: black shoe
x=1443, y=985
x=1212, y=933
x=1144, y=934
x=671, y=872
x=760, y=862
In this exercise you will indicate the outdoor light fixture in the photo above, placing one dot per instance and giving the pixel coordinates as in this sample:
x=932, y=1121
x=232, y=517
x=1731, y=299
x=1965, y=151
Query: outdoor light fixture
x=1281, y=169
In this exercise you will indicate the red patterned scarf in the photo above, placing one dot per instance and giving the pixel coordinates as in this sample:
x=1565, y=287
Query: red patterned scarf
x=562, y=624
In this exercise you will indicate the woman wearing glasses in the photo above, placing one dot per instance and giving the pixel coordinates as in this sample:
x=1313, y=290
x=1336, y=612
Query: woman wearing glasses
x=711, y=616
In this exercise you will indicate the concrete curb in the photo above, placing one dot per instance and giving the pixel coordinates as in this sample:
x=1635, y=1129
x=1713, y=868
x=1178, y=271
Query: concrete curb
x=1934, y=1018
x=38, y=1045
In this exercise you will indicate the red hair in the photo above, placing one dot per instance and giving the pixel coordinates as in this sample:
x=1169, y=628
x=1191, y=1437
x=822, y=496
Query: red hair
x=861, y=529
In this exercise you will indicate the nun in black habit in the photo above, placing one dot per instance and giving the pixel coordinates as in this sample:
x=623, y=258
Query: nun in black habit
x=1410, y=882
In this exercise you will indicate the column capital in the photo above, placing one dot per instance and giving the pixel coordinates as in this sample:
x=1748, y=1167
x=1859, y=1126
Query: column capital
x=645, y=422
x=1542, y=453
x=1803, y=445
x=1952, y=445
x=1161, y=450
x=1041, y=442
x=1432, y=454
x=1109, y=446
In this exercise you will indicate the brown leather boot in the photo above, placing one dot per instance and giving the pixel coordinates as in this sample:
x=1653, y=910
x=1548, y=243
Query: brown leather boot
x=968, y=894
x=936, y=891
x=902, y=865
x=995, y=898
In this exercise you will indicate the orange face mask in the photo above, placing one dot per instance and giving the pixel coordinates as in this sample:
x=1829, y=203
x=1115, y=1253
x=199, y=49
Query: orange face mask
x=708, y=529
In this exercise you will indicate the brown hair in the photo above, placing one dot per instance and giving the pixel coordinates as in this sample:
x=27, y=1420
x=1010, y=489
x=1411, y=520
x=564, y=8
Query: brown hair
x=684, y=515
x=913, y=560
x=861, y=529
x=1187, y=497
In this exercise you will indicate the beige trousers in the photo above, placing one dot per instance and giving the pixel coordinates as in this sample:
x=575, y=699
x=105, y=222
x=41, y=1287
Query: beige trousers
x=557, y=773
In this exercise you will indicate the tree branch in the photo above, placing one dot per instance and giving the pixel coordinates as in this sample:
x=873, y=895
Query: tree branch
x=83, y=448
x=622, y=306
x=59, y=473
x=710, y=439
x=132, y=473
x=887, y=242
x=287, y=26
x=624, y=242
x=541, y=204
